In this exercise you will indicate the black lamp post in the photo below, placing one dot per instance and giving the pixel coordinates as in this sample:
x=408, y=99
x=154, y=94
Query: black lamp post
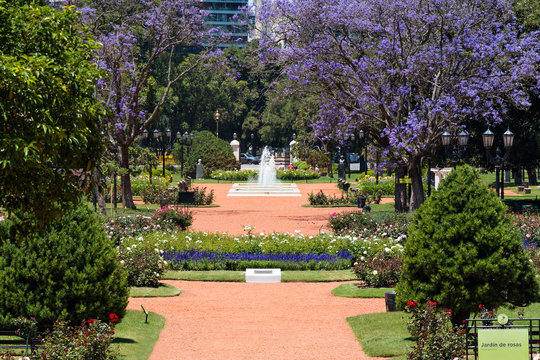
x=457, y=150
x=498, y=161
x=185, y=140
x=362, y=136
x=349, y=143
x=217, y=115
x=161, y=142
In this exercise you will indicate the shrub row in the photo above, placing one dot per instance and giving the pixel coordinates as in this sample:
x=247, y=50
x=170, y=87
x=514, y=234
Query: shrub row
x=248, y=174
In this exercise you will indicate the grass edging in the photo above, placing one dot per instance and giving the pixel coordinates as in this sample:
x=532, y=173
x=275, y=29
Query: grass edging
x=164, y=290
x=353, y=291
x=134, y=338
x=382, y=334
x=239, y=276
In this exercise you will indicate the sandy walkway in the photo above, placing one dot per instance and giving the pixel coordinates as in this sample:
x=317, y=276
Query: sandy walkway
x=226, y=321
x=267, y=214
x=236, y=321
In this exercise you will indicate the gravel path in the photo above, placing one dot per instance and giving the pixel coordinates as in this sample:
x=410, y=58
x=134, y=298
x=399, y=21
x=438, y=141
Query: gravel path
x=236, y=321
x=241, y=321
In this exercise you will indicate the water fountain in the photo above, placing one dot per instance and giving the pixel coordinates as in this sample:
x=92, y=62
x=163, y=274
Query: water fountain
x=267, y=183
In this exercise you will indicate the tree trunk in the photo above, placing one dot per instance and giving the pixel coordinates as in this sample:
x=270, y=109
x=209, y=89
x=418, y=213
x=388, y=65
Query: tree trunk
x=531, y=172
x=518, y=176
x=417, y=193
x=127, y=197
x=96, y=179
x=400, y=197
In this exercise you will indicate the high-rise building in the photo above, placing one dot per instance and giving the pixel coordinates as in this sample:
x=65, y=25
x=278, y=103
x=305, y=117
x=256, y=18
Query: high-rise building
x=229, y=17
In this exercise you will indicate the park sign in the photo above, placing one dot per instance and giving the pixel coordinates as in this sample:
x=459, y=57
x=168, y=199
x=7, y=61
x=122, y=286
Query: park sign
x=503, y=344
x=404, y=180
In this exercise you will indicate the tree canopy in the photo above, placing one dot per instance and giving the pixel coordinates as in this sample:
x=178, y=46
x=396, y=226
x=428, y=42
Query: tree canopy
x=404, y=71
x=49, y=116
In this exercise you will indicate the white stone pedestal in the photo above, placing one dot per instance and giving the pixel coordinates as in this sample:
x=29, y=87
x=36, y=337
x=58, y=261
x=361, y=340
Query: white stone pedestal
x=263, y=275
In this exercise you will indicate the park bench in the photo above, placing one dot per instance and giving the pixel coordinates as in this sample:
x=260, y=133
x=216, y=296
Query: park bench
x=10, y=339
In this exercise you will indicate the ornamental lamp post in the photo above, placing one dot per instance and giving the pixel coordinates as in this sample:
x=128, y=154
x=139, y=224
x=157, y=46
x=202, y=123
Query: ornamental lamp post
x=362, y=137
x=457, y=150
x=185, y=140
x=498, y=161
x=217, y=115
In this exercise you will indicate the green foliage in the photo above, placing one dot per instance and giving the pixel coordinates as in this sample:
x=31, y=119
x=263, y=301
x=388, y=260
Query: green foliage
x=91, y=340
x=436, y=337
x=379, y=271
x=70, y=272
x=318, y=159
x=144, y=266
x=215, y=153
x=173, y=218
x=369, y=184
x=297, y=174
x=49, y=116
x=301, y=165
x=158, y=173
x=245, y=174
x=342, y=223
x=461, y=250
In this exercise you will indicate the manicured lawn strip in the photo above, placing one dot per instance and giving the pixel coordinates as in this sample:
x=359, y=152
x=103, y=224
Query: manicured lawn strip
x=240, y=276
x=382, y=334
x=133, y=338
x=164, y=290
x=353, y=291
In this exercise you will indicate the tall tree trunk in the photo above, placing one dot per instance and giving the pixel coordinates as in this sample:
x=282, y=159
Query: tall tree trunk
x=518, y=176
x=417, y=193
x=96, y=179
x=127, y=197
x=400, y=197
x=531, y=172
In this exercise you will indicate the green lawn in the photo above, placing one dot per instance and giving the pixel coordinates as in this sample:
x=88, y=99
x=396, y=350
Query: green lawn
x=353, y=291
x=164, y=290
x=133, y=338
x=239, y=276
x=382, y=334
x=385, y=334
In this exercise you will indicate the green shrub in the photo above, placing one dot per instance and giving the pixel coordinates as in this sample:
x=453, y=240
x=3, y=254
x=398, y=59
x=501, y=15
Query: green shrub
x=202, y=198
x=173, y=218
x=144, y=266
x=215, y=153
x=70, y=271
x=344, y=223
x=461, y=250
x=124, y=226
x=318, y=159
x=158, y=173
x=369, y=184
x=234, y=174
x=379, y=271
x=91, y=340
x=436, y=337
x=301, y=165
x=370, y=173
x=152, y=193
x=297, y=174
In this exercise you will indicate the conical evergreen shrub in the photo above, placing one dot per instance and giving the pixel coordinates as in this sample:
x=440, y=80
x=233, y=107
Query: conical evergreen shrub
x=70, y=272
x=461, y=251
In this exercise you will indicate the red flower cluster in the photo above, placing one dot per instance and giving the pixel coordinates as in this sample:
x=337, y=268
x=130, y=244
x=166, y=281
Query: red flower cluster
x=91, y=320
x=432, y=303
x=114, y=318
x=412, y=303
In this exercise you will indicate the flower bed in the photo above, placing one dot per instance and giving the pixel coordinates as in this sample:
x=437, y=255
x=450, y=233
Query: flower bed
x=211, y=260
x=203, y=251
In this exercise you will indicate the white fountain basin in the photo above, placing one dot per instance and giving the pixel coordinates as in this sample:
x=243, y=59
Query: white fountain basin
x=279, y=189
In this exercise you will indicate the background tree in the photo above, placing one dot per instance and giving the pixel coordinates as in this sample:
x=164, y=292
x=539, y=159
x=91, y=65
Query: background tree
x=462, y=251
x=49, y=117
x=215, y=153
x=403, y=70
x=136, y=34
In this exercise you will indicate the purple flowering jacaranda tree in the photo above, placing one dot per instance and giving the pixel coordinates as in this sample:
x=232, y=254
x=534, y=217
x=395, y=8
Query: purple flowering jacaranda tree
x=134, y=35
x=404, y=71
